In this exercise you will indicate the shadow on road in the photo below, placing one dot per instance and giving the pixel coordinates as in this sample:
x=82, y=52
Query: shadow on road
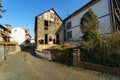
x=29, y=49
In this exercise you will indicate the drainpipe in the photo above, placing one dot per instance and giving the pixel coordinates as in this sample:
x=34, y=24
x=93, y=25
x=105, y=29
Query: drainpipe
x=112, y=16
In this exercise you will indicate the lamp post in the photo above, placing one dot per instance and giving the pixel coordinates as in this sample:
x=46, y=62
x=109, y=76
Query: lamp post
x=6, y=47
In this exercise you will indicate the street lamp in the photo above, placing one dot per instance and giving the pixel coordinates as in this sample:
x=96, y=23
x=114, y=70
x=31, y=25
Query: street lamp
x=6, y=48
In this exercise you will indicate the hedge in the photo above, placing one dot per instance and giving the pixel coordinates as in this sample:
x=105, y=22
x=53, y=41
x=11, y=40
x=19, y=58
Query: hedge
x=62, y=54
x=105, y=52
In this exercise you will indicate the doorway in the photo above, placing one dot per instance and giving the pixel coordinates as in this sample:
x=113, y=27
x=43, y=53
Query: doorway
x=46, y=39
x=57, y=39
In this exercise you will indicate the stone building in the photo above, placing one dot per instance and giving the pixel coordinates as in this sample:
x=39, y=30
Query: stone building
x=46, y=26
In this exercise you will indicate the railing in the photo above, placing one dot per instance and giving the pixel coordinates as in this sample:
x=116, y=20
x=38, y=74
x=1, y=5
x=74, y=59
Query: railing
x=5, y=34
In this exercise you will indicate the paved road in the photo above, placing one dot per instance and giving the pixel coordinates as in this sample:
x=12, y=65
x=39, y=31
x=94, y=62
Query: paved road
x=24, y=66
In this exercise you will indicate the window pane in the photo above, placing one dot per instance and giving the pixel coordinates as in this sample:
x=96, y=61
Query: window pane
x=69, y=34
x=69, y=25
x=46, y=23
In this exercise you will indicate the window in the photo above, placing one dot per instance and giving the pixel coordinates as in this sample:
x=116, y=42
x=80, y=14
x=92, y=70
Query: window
x=15, y=30
x=50, y=38
x=52, y=15
x=41, y=41
x=69, y=34
x=45, y=24
x=69, y=25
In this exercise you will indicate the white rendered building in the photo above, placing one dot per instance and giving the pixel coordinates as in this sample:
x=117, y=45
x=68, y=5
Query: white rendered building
x=108, y=12
x=18, y=35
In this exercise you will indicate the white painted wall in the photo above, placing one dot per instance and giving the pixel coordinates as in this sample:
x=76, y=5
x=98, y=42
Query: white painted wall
x=32, y=41
x=101, y=8
x=43, y=54
x=50, y=15
x=18, y=35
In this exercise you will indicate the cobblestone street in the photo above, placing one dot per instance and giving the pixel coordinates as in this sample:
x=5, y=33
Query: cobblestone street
x=24, y=66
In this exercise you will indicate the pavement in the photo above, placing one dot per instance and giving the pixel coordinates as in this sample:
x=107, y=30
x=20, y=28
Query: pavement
x=25, y=66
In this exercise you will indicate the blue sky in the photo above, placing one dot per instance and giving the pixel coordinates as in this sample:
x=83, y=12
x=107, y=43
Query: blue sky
x=22, y=12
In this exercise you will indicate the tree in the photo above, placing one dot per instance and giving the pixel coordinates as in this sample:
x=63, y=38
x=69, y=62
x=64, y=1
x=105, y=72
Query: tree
x=89, y=26
x=1, y=10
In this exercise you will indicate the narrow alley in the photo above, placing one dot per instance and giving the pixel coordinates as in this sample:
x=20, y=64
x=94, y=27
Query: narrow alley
x=25, y=66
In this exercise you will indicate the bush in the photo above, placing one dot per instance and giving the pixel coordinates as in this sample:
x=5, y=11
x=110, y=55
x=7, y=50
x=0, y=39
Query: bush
x=62, y=54
x=89, y=25
x=105, y=52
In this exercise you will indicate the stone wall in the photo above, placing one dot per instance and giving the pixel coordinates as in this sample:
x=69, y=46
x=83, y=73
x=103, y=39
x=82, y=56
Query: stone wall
x=43, y=47
x=74, y=42
x=8, y=49
x=43, y=54
x=2, y=54
x=95, y=67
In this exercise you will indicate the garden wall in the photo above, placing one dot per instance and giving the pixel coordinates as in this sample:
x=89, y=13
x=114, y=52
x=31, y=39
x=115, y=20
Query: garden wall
x=95, y=67
x=99, y=68
x=43, y=54
x=71, y=56
x=1, y=52
x=7, y=49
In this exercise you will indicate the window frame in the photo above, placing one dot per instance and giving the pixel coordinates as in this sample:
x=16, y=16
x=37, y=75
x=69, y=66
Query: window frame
x=69, y=25
x=46, y=24
x=69, y=34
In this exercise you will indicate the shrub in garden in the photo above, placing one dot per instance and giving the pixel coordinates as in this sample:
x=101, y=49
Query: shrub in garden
x=62, y=54
x=105, y=52
x=89, y=25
